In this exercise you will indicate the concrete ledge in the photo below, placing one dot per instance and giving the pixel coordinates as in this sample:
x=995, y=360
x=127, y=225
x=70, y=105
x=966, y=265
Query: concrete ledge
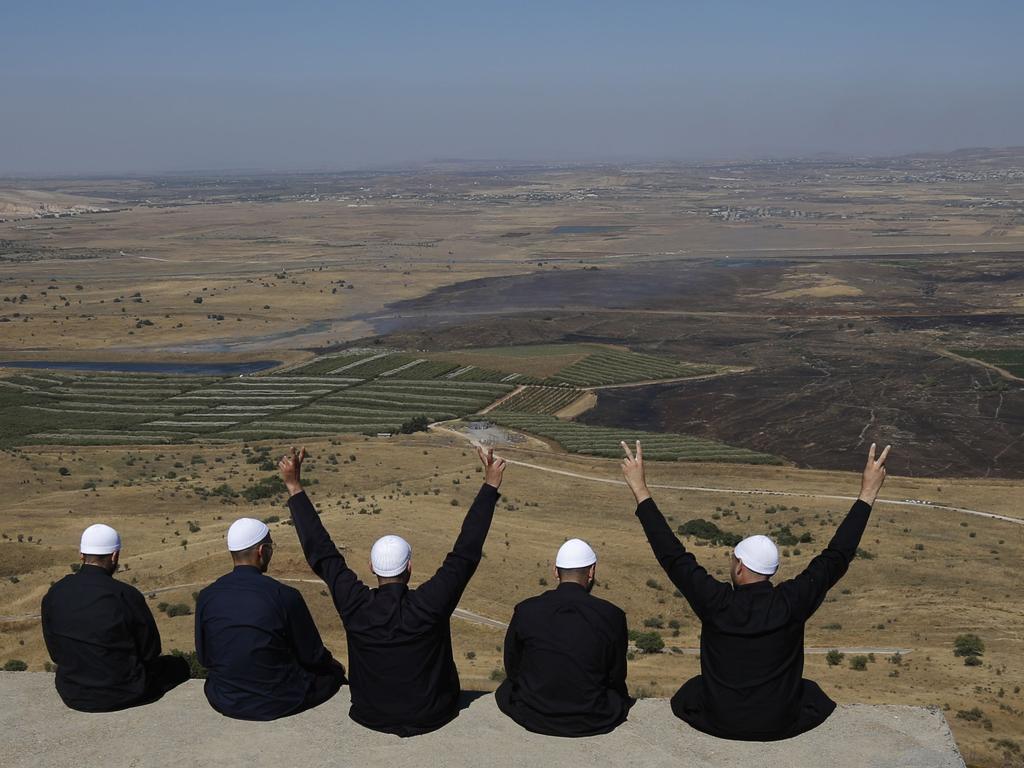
x=182, y=730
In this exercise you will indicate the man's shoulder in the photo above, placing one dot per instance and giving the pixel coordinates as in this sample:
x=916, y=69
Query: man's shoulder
x=555, y=596
x=285, y=592
x=124, y=588
x=60, y=586
x=536, y=601
x=606, y=606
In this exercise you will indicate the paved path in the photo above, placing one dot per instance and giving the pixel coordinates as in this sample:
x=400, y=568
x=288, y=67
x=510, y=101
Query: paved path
x=182, y=731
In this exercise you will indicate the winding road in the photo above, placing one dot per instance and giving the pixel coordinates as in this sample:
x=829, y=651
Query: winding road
x=742, y=491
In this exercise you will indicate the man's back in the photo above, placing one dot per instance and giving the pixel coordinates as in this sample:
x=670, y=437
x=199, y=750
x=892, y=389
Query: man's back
x=400, y=657
x=254, y=634
x=752, y=659
x=100, y=632
x=752, y=637
x=402, y=673
x=565, y=657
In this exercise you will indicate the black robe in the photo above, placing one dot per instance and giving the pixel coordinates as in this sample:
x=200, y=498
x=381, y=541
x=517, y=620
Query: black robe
x=102, y=636
x=565, y=657
x=752, y=637
x=401, y=670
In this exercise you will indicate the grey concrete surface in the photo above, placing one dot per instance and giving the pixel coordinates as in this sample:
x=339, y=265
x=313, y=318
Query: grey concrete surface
x=181, y=730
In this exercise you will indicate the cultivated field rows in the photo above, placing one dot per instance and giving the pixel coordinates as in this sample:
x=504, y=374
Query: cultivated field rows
x=368, y=391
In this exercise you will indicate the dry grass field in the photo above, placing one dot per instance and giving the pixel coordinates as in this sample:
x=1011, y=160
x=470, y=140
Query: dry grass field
x=932, y=575
x=834, y=302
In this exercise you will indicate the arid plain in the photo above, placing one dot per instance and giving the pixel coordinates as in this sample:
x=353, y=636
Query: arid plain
x=808, y=307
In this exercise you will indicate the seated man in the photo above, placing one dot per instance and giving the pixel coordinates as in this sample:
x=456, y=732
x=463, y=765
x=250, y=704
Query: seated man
x=404, y=679
x=565, y=655
x=255, y=636
x=752, y=632
x=102, y=636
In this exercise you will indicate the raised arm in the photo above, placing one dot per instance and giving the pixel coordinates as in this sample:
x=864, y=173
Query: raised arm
x=810, y=587
x=323, y=556
x=701, y=590
x=440, y=594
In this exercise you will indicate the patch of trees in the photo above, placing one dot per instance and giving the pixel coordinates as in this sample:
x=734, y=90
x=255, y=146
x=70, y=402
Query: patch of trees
x=970, y=648
x=708, y=531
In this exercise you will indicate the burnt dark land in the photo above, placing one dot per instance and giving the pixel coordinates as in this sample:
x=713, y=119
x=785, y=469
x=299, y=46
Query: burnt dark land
x=822, y=373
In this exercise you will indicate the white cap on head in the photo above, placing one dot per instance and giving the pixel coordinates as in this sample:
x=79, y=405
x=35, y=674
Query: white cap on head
x=390, y=556
x=246, y=532
x=759, y=554
x=100, y=539
x=575, y=553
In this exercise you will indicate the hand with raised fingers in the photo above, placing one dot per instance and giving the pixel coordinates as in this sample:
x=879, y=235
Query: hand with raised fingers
x=633, y=471
x=494, y=466
x=874, y=475
x=290, y=466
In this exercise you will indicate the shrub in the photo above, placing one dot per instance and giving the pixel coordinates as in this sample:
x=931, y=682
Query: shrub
x=179, y=609
x=415, y=424
x=972, y=661
x=196, y=671
x=649, y=642
x=653, y=584
x=859, y=663
x=834, y=658
x=497, y=675
x=968, y=645
x=266, y=488
x=970, y=715
x=654, y=621
x=15, y=665
x=708, y=531
x=1008, y=745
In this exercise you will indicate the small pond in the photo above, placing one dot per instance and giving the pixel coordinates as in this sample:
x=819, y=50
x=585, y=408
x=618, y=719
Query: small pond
x=191, y=369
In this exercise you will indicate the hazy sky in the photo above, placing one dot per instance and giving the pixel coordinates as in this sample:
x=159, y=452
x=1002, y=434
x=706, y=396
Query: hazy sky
x=141, y=86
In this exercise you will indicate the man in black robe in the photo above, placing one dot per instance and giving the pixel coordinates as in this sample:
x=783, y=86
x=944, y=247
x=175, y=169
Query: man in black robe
x=752, y=632
x=565, y=655
x=255, y=636
x=403, y=675
x=102, y=635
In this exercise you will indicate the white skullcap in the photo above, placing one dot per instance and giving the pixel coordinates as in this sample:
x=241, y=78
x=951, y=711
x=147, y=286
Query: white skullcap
x=759, y=554
x=390, y=555
x=575, y=553
x=246, y=532
x=100, y=539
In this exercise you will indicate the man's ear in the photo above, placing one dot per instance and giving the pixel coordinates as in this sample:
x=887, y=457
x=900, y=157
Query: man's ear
x=408, y=568
x=554, y=572
x=115, y=558
x=593, y=571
